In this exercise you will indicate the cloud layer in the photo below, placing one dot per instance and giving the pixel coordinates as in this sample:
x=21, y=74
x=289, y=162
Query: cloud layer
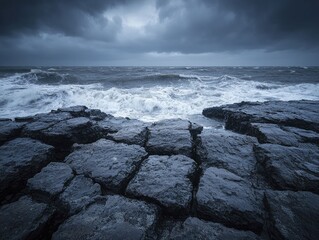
x=59, y=32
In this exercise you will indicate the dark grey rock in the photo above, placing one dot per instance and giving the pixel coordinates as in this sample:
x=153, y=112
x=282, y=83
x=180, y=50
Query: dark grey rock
x=131, y=135
x=169, y=141
x=41, y=122
x=24, y=219
x=166, y=180
x=81, y=192
x=96, y=114
x=75, y=130
x=293, y=215
x=174, y=124
x=290, y=167
x=114, y=124
x=20, y=159
x=272, y=133
x=239, y=116
x=194, y=229
x=304, y=136
x=75, y=111
x=119, y=218
x=225, y=149
x=227, y=198
x=108, y=163
x=9, y=130
x=51, y=180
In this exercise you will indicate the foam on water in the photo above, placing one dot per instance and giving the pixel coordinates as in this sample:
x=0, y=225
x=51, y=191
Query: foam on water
x=24, y=94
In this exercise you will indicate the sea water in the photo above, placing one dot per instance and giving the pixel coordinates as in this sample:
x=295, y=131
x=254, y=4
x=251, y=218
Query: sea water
x=149, y=93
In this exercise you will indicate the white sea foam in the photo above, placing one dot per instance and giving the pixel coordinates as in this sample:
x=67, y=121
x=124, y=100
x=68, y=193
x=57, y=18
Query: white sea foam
x=153, y=103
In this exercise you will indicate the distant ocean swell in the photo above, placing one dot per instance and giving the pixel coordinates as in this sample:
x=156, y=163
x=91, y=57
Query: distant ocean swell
x=146, y=96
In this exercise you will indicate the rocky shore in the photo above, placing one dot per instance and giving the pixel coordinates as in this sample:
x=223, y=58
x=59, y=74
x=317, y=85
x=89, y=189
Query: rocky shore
x=79, y=173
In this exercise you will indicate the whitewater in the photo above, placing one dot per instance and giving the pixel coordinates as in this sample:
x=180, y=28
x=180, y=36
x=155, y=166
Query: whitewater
x=149, y=93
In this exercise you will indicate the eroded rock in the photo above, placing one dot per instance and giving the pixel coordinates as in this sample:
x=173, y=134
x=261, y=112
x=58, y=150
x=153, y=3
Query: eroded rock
x=51, y=180
x=295, y=168
x=108, y=163
x=194, y=228
x=227, y=198
x=20, y=159
x=293, y=215
x=9, y=130
x=166, y=180
x=24, y=219
x=117, y=218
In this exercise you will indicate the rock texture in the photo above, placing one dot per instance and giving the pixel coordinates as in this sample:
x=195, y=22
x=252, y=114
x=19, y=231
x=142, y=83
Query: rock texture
x=293, y=215
x=110, y=164
x=79, y=173
x=117, y=218
x=166, y=180
x=24, y=219
x=227, y=198
x=20, y=159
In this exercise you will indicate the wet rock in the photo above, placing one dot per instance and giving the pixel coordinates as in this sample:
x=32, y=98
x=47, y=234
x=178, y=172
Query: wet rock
x=172, y=136
x=75, y=111
x=194, y=228
x=227, y=198
x=114, y=124
x=81, y=192
x=41, y=122
x=304, y=136
x=119, y=218
x=51, y=180
x=225, y=149
x=108, y=163
x=96, y=114
x=166, y=180
x=24, y=219
x=239, y=116
x=292, y=215
x=20, y=159
x=9, y=130
x=290, y=167
x=131, y=135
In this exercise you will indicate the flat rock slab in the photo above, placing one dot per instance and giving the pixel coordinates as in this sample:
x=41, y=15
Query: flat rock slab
x=194, y=229
x=227, y=198
x=131, y=135
x=293, y=215
x=79, y=193
x=225, y=149
x=9, y=130
x=114, y=124
x=119, y=218
x=300, y=114
x=108, y=163
x=51, y=180
x=20, y=159
x=24, y=219
x=290, y=167
x=166, y=180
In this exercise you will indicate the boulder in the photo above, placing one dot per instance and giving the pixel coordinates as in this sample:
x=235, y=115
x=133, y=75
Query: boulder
x=51, y=180
x=79, y=193
x=118, y=218
x=228, y=150
x=292, y=215
x=295, y=168
x=194, y=228
x=167, y=181
x=301, y=114
x=20, y=159
x=108, y=163
x=131, y=135
x=227, y=198
x=113, y=124
x=25, y=219
x=9, y=130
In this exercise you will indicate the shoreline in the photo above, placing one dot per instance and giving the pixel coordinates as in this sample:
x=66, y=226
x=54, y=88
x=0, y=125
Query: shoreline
x=80, y=168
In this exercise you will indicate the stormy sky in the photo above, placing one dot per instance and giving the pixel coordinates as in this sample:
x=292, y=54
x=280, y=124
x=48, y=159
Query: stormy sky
x=159, y=32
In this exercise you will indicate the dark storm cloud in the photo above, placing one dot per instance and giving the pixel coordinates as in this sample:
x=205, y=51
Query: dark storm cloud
x=68, y=17
x=56, y=31
x=209, y=26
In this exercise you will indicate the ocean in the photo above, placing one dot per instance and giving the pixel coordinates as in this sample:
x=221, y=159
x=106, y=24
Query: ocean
x=149, y=93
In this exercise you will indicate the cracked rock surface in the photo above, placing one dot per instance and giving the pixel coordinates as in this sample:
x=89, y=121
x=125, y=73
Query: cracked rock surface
x=79, y=173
